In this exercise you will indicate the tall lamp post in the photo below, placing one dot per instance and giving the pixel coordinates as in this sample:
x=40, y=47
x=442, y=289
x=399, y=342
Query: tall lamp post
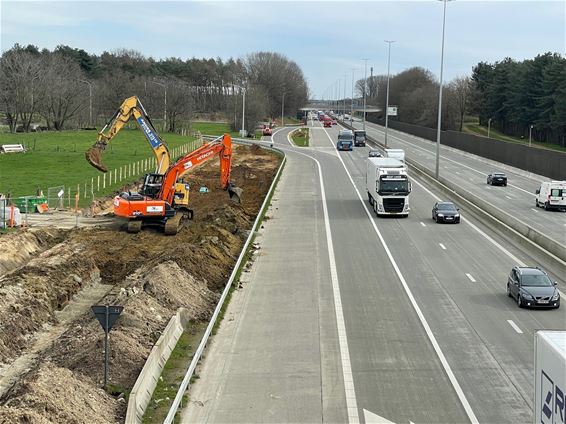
x=365, y=89
x=488, y=127
x=283, y=109
x=344, y=112
x=387, y=96
x=165, y=113
x=89, y=101
x=243, y=109
x=352, y=104
x=530, y=134
x=437, y=168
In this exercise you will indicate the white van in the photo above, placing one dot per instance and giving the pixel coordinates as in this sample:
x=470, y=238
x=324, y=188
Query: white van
x=398, y=154
x=551, y=195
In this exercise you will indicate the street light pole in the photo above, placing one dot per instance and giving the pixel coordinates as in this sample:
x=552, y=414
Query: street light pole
x=387, y=96
x=165, y=113
x=89, y=101
x=530, y=134
x=344, y=113
x=352, y=105
x=437, y=168
x=488, y=127
x=365, y=89
x=243, y=108
x=283, y=109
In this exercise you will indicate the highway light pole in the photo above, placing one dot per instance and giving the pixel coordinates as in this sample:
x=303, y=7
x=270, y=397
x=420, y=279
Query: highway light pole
x=89, y=101
x=530, y=134
x=365, y=89
x=243, y=108
x=437, y=168
x=387, y=96
x=352, y=105
x=344, y=113
x=283, y=110
x=165, y=113
x=488, y=127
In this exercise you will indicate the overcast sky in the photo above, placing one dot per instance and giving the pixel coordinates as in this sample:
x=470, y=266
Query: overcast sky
x=326, y=38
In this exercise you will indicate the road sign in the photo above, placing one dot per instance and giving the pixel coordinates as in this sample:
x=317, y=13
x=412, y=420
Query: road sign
x=106, y=316
x=392, y=110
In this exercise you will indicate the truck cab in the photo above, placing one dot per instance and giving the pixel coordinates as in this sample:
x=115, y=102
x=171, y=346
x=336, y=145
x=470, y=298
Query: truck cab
x=388, y=186
x=359, y=138
x=345, y=140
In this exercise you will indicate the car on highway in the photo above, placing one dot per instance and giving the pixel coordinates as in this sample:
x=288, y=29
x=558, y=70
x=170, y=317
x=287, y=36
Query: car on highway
x=531, y=286
x=497, y=178
x=327, y=123
x=374, y=153
x=334, y=122
x=267, y=131
x=445, y=212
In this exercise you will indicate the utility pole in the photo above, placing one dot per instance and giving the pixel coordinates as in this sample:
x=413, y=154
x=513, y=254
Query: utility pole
x=387, y=97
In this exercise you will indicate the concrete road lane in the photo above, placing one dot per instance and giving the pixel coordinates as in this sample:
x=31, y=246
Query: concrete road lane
x=276, y=356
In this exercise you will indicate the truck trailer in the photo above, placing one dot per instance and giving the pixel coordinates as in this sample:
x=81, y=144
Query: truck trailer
x=388, y=186
x=550, y=377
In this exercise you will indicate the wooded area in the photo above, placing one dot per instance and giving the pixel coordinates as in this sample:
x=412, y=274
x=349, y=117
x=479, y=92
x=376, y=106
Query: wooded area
x=56, y=88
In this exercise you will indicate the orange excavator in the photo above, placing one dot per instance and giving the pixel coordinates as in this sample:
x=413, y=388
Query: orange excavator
x=163, y=199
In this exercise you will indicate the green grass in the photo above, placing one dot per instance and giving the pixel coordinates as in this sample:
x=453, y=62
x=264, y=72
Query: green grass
x=58, y=158
x=471, y=126
x=301, y=137
x=173, y=373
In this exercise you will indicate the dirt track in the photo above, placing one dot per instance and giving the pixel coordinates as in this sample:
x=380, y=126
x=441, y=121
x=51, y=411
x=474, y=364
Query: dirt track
x=45, y=297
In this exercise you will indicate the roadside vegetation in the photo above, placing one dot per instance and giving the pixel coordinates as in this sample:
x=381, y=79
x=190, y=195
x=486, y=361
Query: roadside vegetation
x=301, y=137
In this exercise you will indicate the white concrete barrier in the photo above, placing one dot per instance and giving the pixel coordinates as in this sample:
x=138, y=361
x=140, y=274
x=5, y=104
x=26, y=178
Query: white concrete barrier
x=142, y=391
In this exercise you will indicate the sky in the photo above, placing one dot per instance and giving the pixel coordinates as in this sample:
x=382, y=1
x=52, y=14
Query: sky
x=325, y=38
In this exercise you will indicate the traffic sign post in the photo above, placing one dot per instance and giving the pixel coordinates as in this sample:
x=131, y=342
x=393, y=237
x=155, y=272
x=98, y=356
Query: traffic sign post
x=106, y=316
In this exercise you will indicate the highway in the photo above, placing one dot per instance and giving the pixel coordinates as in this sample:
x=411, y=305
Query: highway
x=470, y=172
x=347, y=317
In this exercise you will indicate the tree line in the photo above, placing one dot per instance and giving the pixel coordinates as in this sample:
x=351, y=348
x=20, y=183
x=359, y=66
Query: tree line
x=70, y=88
x=510, y=95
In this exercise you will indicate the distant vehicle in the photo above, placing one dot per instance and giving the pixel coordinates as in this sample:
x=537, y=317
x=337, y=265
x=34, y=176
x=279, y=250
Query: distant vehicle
x=374, y=153
x=398, y=154
x=388, y=186
x=551, y=195
x=267, y=131
x=345, y=140
x=334, y=122
x=445, y=212
x=531, y=286
x=497, y=178
x=359, y=138
x=327, y=122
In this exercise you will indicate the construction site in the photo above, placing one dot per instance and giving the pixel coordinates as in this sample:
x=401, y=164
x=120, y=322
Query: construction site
x=51, y=345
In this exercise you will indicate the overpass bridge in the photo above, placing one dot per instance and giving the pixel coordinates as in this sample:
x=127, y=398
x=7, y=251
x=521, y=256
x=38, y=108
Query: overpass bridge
x=338, y=106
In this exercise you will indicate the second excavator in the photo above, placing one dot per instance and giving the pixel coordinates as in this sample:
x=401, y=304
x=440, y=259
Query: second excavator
x=164, y=197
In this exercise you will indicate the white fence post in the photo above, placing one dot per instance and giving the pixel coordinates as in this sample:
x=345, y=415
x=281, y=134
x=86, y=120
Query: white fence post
x=104, y=181
x=98, y=183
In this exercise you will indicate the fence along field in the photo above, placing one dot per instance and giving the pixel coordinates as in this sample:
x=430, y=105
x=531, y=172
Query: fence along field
x=56, y=160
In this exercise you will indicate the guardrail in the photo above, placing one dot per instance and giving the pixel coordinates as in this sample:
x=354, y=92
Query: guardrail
x=196, y=358
x=550, y=248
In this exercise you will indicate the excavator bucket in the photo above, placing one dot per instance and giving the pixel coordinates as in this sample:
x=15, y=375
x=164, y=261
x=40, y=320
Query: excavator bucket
x=235, y=193
x=94, y=157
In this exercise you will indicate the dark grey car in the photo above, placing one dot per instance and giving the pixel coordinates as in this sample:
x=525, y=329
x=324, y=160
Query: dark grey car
x=497, y=178
x=446, y=212
x=374, y=153
x=531, y=286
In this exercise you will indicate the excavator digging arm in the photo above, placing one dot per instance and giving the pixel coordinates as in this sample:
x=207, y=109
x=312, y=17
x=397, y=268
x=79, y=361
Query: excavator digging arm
x=221, y=146
x=130, y=108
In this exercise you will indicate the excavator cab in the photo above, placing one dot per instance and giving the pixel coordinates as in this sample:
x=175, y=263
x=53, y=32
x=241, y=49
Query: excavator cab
x=152, y=185
x=181, y=196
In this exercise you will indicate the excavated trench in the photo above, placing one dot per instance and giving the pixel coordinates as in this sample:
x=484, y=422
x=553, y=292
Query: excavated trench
x=51, y=346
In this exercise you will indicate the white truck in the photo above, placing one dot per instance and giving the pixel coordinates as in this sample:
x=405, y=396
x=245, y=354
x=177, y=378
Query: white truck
x=398, y=154
x=551, y=195
x=550, y=377
x=388, y=186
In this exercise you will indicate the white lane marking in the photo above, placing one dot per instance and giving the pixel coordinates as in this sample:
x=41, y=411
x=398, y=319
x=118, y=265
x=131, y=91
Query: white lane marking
x=351, y=402
x=424, y=322
x=424, y=225
x=487, y=237
x=515, y=326
x=534, y=210
x=509, y=197
x=471, y=278
x=442, y=246
x=448, y=159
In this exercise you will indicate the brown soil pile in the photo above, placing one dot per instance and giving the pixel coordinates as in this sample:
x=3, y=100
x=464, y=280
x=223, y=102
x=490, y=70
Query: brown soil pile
x=150, y=274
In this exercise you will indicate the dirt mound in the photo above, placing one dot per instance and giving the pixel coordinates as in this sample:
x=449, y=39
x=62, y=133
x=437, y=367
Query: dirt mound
x=150, y=274
x=56, y=395
x=17, y=248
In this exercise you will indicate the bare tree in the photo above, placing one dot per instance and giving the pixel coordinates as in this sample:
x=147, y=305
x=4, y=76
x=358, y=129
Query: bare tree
x=459, y=91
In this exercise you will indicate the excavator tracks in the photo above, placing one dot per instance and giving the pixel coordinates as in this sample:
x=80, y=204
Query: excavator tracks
x=173, y=224
x=134, y=226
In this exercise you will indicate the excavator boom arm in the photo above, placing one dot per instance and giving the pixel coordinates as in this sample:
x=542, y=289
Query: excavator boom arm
x=130, y=108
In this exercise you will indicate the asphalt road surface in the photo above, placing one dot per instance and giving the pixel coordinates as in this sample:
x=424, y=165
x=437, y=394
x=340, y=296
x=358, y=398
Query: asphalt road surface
x=346, y=317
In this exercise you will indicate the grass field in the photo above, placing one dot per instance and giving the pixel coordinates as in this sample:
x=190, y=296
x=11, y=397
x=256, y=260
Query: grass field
x=301, y=137
x=471, y=126
x=58, y=158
